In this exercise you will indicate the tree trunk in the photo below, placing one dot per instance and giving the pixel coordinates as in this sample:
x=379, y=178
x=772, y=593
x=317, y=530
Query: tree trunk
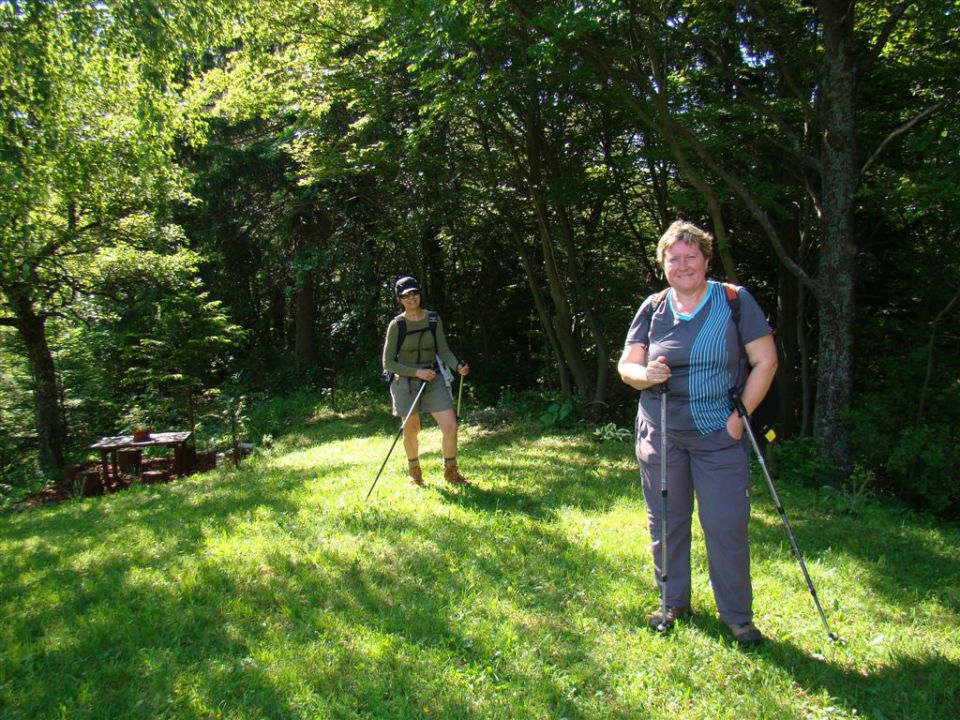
x=563, y=318
x=306, y=325
x=51, y=431
x=305, y=306
x=540, y=304
x=837, y=264
x=558, y=294
x=575, y=272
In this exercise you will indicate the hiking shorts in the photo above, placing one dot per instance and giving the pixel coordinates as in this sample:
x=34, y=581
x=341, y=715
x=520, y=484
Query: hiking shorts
x=435, y=398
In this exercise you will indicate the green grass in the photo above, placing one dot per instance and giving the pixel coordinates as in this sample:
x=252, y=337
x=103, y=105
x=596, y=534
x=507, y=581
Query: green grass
x=274, y=591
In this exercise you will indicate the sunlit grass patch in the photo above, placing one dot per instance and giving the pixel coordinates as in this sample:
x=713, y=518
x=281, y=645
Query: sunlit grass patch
x=275, y=590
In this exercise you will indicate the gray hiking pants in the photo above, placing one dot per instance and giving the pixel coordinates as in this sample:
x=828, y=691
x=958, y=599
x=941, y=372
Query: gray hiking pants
x=716, y=468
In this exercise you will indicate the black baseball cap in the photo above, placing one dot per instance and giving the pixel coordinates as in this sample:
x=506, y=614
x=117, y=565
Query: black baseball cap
x=406, y=284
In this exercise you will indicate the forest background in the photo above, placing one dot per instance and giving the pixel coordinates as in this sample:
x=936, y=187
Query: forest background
x=204, y=204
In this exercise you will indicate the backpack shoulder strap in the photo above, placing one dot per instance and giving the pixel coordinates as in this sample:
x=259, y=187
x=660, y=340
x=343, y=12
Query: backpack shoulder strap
x=655, y=300
x=733, y=299
x=732, y=293
x=401, y=333
x=433, y=319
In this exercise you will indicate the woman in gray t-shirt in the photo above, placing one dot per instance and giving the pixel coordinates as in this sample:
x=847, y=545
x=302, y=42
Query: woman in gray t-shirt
x=702, y=338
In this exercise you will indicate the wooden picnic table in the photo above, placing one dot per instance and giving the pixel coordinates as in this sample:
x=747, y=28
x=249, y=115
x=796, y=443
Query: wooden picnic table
x=108, y=447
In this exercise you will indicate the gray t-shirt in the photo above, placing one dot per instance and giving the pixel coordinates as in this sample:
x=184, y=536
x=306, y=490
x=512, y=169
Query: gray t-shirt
x=704, y=354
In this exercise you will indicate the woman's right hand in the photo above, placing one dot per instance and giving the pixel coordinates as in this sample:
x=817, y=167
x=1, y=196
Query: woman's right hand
x=658, y=371
x=426, y=374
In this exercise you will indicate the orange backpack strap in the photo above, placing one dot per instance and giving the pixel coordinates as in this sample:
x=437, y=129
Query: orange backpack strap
x=733, y=300
x=657, y=299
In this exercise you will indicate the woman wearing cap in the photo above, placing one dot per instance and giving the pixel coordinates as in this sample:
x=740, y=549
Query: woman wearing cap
x=411, y=363
x=704, y=338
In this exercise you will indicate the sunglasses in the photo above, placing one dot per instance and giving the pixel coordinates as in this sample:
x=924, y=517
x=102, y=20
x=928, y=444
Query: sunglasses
x=412, y=293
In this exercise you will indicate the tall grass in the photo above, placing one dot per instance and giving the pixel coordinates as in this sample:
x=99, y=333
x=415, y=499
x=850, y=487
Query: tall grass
x=274, y=591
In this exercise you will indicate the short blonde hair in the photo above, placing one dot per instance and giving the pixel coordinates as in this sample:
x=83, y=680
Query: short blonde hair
x=685, y=232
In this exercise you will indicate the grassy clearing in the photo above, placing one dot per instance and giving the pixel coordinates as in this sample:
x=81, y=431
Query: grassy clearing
x=274, y=591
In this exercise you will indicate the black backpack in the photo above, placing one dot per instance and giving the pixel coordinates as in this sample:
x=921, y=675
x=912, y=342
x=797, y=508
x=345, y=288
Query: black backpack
x=433, y=319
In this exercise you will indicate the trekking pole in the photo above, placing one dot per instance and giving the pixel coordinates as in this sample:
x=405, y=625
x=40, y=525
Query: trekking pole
x=460, y=395
x=416, y=399
x=742, y=412
x=664, y=624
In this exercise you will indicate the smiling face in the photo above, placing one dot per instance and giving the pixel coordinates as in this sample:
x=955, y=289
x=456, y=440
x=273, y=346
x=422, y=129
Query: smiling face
x=685, y=267
x=410, y=300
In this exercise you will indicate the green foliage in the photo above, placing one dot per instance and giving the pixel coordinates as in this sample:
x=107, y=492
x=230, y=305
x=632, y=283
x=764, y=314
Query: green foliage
x=611, y=431
x=234, y=414
x=560, y=412
x=851, y=494
x=927, y=459
x=798, y=460
x=916, y=461
x=18, y=465
x=299, y=147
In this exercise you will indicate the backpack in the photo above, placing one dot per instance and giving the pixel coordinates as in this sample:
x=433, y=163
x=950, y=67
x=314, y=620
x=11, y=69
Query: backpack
x=765, y=412
x=433, y=319
x=733, y=300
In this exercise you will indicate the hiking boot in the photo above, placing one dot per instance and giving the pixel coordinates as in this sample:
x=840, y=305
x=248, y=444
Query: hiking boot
x=452, y=475
x=416, y=475
x=655, y=620
x=746, y=634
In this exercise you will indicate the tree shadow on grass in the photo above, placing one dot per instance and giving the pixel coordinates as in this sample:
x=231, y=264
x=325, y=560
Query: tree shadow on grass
x=923, y=688
x=102, y=531
x=538, y=485
x=914, y=688
x=382, y=634
x=383, y=613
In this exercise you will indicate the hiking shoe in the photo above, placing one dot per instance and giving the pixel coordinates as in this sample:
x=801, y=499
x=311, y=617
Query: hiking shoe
x=655, y=621
x=746, y=634
x=416, y=475
x=452, y=475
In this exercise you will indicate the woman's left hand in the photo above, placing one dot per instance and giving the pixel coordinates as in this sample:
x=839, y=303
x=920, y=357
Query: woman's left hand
x=735, y=426
x=463, y=369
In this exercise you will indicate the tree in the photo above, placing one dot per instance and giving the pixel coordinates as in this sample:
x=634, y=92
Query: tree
x=88, y=96
x=796, y=69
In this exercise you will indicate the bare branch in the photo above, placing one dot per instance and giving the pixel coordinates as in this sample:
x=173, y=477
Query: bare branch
x=907, y=126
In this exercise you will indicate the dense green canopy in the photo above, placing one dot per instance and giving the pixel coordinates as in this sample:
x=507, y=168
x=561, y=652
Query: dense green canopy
x=266, y=169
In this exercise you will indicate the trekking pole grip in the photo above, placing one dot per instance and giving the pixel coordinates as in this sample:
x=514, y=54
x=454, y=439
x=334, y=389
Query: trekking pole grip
x=737, y=402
